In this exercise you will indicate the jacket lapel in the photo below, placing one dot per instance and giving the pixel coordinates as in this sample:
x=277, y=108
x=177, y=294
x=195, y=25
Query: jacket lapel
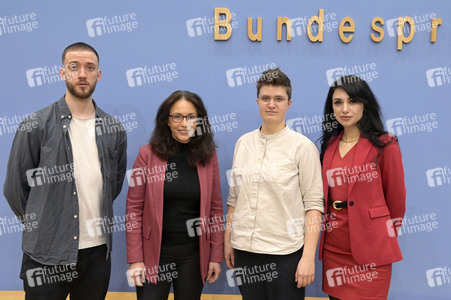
x=327, y=162
x=202, y=174
x=158, y=187
x=360, y=154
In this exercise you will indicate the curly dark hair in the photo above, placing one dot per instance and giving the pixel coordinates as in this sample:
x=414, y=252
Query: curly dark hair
x=370, y=125
x=201, y=147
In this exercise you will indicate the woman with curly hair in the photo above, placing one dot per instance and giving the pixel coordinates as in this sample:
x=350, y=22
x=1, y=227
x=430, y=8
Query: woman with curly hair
x=174, y=205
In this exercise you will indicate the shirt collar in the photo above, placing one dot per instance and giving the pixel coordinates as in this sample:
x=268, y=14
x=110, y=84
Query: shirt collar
x=272, y=136
x=64, y=111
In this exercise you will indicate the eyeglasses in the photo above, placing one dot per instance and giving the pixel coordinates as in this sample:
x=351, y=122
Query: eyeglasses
x=277, y=99
x=177, y=118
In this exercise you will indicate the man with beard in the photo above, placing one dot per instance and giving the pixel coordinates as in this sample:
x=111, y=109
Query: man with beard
x=62, y=178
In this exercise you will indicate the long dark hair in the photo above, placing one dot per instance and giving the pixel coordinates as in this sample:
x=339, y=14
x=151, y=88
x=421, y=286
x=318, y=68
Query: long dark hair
x=370, y=125
x=201, y=146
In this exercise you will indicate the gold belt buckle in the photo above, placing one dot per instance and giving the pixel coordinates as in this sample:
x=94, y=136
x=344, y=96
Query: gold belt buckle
x=335, y=203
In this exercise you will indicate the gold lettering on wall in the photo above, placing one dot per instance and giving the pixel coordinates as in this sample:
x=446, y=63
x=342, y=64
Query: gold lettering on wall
x=343, y=28
x=435, y=23
x=402, y=39
x=320, y=21
x=377, y=29
x=280, y=22
x=222, y=23
x=250, y=33
x=346, y=28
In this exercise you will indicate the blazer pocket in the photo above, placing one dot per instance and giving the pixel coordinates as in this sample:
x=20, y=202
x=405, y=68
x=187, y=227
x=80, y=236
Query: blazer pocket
x=378, y=212
x=146, y=231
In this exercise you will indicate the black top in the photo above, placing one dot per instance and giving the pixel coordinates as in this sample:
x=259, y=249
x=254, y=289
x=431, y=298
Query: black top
x=181, y=200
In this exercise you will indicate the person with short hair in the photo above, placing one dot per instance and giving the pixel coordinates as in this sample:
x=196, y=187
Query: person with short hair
x=62, y=178
x=275, y=201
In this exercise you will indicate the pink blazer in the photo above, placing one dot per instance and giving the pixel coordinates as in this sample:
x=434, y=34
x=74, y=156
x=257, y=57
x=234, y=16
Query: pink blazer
x=145, y=213
x=372, y=205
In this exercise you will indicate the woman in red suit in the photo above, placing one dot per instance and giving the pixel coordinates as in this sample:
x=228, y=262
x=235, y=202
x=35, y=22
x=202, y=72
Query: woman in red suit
x=174, y=206
x=364, y=194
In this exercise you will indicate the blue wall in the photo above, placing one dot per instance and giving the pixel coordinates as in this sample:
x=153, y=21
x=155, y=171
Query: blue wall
x=412, y=85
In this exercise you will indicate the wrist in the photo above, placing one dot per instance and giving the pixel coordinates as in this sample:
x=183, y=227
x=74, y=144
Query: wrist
x=309, y=255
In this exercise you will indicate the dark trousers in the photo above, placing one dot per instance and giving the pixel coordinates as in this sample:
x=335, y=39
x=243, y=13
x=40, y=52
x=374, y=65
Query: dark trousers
x=266, y=276
x=180, y=266
x=87, y=280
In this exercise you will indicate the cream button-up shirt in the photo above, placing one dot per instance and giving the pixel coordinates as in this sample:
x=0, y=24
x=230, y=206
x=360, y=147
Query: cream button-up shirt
x=274, y=181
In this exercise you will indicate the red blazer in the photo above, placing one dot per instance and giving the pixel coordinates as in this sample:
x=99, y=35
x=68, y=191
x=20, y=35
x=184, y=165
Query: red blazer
x=372, y=204
x=145, y=213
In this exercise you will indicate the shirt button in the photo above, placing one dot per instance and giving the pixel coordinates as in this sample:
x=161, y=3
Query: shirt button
x=62, y=117
x=75, y=216
x=75, y=237
x=351, y=203
x=69, y=116
x=75, y=193
x=64, y=126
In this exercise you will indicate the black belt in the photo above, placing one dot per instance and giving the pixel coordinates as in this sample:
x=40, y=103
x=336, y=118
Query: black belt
x=338, y=204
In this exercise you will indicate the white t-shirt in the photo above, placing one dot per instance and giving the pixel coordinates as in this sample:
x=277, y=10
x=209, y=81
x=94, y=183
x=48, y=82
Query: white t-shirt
x=89, y=182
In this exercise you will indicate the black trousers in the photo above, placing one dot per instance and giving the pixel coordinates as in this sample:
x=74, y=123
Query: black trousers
x=266, y=276
x=87, y=280
x=180, y=266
